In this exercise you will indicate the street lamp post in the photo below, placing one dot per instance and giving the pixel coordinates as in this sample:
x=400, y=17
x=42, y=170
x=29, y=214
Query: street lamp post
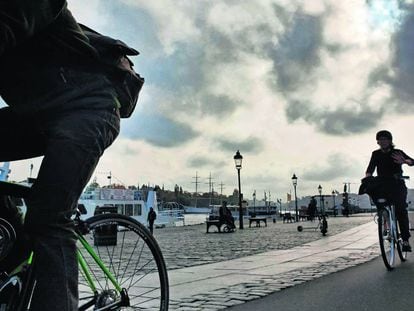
x=280, y=206
x=320, y=198
x=238, y=162
x=334, y=207
x=322, y=220
x=254, y=203
x=295, y=183
x=110, y=178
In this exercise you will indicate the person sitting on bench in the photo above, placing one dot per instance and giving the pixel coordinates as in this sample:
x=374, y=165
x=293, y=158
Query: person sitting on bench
x=225, y=215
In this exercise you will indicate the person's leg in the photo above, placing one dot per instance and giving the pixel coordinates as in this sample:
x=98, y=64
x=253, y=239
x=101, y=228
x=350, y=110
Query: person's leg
x=75, y=142
x=400, y=201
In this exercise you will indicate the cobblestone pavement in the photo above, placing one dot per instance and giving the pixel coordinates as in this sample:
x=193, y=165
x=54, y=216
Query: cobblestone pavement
x=266, y=285
x=191, y=246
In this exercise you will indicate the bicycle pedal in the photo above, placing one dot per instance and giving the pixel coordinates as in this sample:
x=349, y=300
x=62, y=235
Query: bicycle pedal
x=9, y=288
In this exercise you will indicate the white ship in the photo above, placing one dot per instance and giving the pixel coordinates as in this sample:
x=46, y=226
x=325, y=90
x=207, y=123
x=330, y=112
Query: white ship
x=133, y=203
x=4, y=171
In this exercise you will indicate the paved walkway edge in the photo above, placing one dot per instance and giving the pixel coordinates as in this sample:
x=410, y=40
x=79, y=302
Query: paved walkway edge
x=223, y=284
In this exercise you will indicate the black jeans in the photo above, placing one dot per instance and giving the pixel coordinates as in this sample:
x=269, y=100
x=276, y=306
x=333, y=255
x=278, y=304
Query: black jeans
x=400, y=202
x=71, y=141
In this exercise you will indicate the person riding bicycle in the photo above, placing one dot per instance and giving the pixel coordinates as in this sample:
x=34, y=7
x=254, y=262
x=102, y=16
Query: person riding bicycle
x=388, y=162
x=59, y=108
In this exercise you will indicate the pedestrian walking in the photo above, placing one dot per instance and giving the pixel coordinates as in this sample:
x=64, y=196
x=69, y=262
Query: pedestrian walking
x=152, y=215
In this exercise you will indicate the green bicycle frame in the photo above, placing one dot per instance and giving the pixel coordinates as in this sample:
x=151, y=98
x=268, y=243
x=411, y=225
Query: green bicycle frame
x=84, y=265
x=27, y=262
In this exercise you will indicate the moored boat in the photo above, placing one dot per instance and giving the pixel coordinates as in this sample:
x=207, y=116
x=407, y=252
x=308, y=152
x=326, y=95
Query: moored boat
x=130, y=202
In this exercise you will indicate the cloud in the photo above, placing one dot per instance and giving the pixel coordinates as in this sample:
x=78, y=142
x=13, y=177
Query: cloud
x=341, y=121
x=297, y=52
x=336, y=166
x=336, y=85
x=401, y=73
x=200, y=161
x=248, y=145
x=159, y=131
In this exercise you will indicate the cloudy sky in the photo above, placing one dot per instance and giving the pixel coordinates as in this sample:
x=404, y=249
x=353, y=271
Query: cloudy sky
x=298, y=86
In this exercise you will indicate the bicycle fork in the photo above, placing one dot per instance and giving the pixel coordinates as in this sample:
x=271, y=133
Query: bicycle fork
x=124, y=302
x=392, y=226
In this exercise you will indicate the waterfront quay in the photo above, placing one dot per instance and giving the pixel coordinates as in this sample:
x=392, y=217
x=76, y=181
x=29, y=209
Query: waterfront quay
x=219, y=270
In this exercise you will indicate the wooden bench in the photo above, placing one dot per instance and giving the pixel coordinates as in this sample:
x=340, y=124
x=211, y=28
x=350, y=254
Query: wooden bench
x=257, y=220
x=303, y=216
x=287, y=217
x=219, y=224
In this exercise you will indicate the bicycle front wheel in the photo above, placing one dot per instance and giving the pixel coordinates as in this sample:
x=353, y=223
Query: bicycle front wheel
x=402, y=254
x=386, y=238
x=132, y=256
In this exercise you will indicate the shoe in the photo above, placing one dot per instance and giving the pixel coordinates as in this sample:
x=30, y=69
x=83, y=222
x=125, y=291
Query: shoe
x=406, y=247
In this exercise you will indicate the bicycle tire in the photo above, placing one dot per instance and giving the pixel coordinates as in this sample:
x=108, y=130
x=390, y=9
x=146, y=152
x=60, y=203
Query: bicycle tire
x=134, y=259
x=7, y=237
x=324, y=227
x=402, y=254
x=386, y=239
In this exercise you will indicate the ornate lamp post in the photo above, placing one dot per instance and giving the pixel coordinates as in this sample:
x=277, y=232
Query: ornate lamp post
x=238, y=162
x=295, y=183
x=110, y=178
x=333, y=197
x=320, y=197
x=254, y=203
x=280, y=205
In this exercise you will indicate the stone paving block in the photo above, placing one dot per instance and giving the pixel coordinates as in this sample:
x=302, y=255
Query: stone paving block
x=188, y=309
x=241, y=298
x=234, y=302
x=190, y=305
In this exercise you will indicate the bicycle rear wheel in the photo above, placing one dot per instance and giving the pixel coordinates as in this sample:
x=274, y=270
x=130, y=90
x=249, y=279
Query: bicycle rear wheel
x=386, y=238
x=132, y=256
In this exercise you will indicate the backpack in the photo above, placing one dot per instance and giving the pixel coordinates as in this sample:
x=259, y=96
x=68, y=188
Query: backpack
x=114, y=61
x=378, y=188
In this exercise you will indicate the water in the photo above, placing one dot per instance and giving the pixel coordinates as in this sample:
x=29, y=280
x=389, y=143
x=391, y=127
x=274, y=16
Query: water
x=193, y=219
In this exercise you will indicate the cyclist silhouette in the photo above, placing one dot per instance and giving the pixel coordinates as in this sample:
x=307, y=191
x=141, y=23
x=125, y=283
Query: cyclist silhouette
x=59, y=108
x=388, y=162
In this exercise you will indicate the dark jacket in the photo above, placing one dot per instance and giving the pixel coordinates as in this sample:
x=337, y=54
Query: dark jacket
x=44, y=56
x=384, y=163
x=152, y=215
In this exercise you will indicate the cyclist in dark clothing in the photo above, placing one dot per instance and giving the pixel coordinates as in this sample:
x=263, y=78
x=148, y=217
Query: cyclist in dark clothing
x=59, y=108
x=388, y=162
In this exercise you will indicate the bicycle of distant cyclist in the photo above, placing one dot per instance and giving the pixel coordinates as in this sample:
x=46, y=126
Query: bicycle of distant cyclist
x=121, y=266
x=389, y=234
x=322, y=224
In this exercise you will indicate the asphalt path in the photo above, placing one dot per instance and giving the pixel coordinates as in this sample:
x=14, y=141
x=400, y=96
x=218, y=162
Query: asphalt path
x=365, y=287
